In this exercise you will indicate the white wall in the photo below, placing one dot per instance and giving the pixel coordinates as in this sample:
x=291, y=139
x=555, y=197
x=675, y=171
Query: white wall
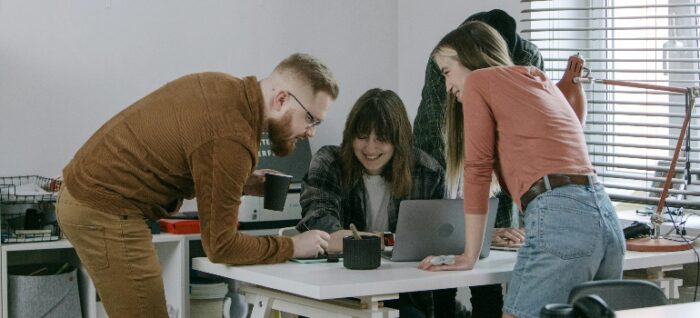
x=421, y=25
x=66, y=66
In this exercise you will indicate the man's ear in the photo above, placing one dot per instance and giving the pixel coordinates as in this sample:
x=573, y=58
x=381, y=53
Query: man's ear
x=279, y=99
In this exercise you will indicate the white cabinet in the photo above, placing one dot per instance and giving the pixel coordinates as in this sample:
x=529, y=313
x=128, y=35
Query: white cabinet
x=173, y=252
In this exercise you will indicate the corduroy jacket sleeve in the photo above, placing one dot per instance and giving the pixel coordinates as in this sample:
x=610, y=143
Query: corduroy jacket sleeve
x=220, y=169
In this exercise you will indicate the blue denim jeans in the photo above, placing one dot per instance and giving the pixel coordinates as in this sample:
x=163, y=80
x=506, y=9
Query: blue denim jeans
x=572, y=236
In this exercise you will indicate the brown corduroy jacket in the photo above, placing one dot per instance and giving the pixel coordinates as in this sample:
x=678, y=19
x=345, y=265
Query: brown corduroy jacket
x=196, y=136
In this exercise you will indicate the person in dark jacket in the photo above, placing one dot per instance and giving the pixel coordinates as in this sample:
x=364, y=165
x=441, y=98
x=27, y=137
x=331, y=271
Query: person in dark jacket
x=428, y=135
x=427, y=126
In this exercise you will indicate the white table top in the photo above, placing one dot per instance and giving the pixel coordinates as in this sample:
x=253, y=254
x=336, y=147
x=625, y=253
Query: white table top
x=678, y=310
x=332, y=280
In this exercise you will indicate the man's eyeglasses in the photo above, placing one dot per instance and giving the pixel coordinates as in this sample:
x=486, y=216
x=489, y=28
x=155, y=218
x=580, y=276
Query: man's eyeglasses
x=311, y=119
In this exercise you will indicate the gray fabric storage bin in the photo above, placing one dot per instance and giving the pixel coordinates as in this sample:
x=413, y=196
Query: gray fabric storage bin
x=45, y=293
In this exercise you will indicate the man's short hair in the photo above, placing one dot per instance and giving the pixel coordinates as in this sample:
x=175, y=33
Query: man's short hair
x=311, y=71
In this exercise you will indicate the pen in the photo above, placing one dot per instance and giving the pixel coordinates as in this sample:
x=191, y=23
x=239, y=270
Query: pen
x=308, y=229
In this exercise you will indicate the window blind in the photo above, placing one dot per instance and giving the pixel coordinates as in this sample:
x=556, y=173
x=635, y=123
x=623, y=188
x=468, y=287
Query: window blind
x=631, y=133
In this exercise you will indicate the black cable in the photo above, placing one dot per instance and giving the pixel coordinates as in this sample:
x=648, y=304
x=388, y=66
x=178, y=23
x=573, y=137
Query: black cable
x=680, y=232
x=689, y=242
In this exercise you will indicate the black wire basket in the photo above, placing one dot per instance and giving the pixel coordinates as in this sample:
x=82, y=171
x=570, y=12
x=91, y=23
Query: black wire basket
x=27, y=213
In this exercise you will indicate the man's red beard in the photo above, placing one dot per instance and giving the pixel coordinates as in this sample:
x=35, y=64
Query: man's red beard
x=281, y=141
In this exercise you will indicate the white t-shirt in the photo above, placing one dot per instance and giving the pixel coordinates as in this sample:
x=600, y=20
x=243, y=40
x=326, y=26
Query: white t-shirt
x=376, y=203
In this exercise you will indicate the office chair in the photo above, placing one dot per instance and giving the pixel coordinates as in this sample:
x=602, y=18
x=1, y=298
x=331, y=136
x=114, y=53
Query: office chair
x=621, y=294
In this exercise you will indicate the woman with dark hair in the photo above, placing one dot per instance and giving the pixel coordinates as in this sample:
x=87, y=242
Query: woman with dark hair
x=376, y=154
x=363, y=181
x=516, y=127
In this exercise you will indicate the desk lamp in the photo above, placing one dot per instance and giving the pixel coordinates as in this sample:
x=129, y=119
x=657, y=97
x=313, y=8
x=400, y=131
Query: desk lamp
x=657, y=243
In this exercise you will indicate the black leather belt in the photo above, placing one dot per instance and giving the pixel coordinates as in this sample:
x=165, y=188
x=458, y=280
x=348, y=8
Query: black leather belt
x=555, y=181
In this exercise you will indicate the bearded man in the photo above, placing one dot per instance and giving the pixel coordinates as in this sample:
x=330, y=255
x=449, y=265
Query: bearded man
x=197, y=136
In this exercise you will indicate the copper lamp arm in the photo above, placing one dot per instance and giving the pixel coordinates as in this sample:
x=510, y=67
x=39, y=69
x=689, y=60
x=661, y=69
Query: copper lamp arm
x=690, y=94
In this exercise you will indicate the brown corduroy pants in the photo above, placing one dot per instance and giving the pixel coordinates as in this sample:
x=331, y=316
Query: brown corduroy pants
x=117, y=252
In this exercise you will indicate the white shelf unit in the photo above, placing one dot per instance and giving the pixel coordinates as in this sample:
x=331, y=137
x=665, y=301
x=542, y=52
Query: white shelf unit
x=171, y=249
x=175, y=253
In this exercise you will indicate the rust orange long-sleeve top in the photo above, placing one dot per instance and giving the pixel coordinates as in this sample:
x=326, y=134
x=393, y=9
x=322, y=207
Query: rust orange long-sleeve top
x=518, y=123
x=198, y=135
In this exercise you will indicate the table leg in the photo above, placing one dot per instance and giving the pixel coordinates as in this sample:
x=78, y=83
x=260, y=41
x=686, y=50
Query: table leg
x=264, y=300
x=657, y=275
x=262, y=306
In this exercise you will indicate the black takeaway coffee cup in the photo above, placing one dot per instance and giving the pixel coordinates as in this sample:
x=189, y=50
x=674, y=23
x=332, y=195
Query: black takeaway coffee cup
x=276, y=187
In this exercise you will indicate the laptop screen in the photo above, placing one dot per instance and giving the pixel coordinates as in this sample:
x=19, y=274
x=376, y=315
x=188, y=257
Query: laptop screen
x=435, y=227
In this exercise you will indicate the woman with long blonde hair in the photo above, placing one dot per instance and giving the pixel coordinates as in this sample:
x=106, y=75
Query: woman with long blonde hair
x=517, y=124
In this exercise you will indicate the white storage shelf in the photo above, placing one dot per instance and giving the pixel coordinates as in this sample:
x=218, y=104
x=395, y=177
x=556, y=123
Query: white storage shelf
x=173, y=252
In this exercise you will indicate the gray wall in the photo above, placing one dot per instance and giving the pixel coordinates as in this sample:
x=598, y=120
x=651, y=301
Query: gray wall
x=66, y=66
x=421, y=25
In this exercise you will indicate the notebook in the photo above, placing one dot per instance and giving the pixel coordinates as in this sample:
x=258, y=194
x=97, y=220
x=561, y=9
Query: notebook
x=435, y=227
x=508, y=248
x=321, y=258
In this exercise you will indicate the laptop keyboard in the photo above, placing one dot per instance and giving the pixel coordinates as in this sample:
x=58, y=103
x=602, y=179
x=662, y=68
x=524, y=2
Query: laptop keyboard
x=511, y=248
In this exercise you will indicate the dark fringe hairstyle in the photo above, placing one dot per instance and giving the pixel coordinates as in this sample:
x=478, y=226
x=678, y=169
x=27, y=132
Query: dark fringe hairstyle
x=382, y=112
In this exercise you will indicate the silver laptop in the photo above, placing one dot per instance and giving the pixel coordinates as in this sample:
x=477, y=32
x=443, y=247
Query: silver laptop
x=435, y=227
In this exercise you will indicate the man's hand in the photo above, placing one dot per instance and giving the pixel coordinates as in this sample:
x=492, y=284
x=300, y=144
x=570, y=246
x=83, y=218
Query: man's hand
x=461, y=263
x=335, y=245
x=507, y=236
x=255, y=185
x=310, y=243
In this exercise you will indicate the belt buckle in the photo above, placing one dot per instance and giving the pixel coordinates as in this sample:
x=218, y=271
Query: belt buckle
x=592, y=180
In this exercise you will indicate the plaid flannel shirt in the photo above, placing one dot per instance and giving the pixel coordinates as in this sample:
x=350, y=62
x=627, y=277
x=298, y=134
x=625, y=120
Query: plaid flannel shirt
x=327, y=206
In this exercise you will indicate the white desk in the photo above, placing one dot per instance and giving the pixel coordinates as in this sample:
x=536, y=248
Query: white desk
x=324, y=281
x=669, y=285
x=678, y=310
